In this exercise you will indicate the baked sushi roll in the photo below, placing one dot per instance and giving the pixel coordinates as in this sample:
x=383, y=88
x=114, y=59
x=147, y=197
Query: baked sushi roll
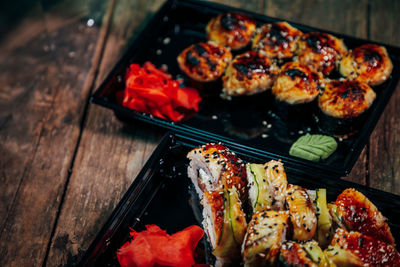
x=248, y=74
x=225, y=224
x=231, y=29
x=357, y=249
x=204, y=62
x=297, y=84
x=276, y=40
x=369, y=63
x=264, y=237
x=320, y=51
x=303, y=254
x=354, y=212
x=302, y=213
x=295, y=89
x=267, y=185
x=276, y=176
x=343, y=106
x=260, y=193
x=215, y=167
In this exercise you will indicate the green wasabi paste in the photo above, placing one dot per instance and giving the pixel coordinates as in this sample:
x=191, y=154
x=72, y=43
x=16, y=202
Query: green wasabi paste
x=313, y=147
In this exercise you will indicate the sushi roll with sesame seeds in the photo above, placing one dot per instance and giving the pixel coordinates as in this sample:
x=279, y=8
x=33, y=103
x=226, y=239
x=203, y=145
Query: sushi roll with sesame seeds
x=295, y=92
x=302, y=213
x=214, y=167
x=320, y=51
x=357, y=249
x=355, y=212
x=343, y=106
x=260, y=195
x=225, y=224
x=267, y=184
x=369, y=63
x=304, y=254
x=248, y=74
x=276, y=40
x=231, y=29
x=265, y=234
x=204, y=62
x=276, y=175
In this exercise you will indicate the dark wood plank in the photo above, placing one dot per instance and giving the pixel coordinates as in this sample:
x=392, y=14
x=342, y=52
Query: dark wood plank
x=385, y=140
x=110, y=154
x=251, y=5
x=348, y=17
x=41, y=107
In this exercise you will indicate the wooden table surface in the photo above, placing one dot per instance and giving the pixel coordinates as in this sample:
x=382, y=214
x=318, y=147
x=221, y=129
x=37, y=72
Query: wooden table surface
x=65, y=163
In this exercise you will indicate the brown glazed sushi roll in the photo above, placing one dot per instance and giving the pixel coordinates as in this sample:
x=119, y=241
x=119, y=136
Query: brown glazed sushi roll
x=303, y=254
x=343, y=106
x=215, y=167
x=357, y=249
x=302, y=213
x=295, y=90
x=204, y=62
x=225, y=224
x=248, y=74
x=355, y=212
x=368, y=63
x=231, y=29
x=276, y=40
x=264, y=237
x=320, y=51
x=297, y=84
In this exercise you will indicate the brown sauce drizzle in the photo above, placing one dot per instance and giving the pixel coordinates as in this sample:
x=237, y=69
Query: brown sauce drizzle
x=247, y=65
x=318, y=41
x=191, y=60
x=232, y=22
x=276, y=36
x=201, y=51
x=294, y=73
x=348, y=90
x=370, y=55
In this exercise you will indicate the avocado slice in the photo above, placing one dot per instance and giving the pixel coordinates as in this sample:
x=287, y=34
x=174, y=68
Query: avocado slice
x=316, y=254
x=237, y=217
x=234, y=227
x=324, y=222
x=260, y=195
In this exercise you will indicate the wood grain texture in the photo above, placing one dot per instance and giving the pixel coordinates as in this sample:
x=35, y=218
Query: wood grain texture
x=348, y=17
x=385, y=139
x=256, y=6
x=39, y=126
x=110, y=154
